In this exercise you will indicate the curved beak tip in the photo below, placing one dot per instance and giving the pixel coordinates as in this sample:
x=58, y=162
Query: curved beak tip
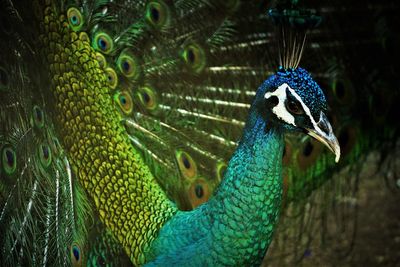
x=326, y=137
x=333, y=144
x=336, y=151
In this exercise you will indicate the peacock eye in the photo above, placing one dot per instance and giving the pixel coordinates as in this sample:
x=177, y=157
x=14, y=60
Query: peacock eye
x=9, y=159
x=75, y=18
x=347, y=139
x=45, y=155
x=343, y=91
x=76, y=257
x=157, y=14
x=128, y=65
x=103, y=43
x=294, y=107
x=125, y=102
x=194, y=57
x=308, y=155
x=186, y=164
x=147, y=97
x=112, y=77
x=38, y=116
x=199, y=192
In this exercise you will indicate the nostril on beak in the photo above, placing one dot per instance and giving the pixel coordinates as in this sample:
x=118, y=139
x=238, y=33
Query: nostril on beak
x=324, y=127
x=323, y=124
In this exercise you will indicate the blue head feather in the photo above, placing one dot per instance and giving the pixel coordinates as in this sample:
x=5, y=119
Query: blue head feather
x=301, y=81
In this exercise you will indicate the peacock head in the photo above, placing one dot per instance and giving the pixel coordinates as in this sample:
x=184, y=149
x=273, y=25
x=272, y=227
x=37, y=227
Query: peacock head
x=295, y=101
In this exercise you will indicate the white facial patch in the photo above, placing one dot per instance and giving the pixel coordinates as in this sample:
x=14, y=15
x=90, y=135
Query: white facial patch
x=282, y=113
x=280, y=110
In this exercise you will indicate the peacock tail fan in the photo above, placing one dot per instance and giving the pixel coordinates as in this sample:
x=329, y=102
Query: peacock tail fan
x=182, y=75
x=45, y=214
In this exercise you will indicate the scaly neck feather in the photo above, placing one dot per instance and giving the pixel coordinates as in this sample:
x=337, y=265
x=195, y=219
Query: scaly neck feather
x=235, y=227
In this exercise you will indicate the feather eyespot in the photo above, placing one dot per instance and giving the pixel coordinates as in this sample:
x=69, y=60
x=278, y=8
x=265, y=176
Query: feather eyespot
x=128, y=65
x=194, y=57
x=186, y=164
x=38, y=116
x=75, y=18
x=9, y=159
x=124, y=101
x=309, y=153
x=347, y=139
x=343, y=91
x=147, y=98
x=45, y=155
x=111, y=77
x=102, y=42
x=199, y=192
x=76, y=255
x=158, y=14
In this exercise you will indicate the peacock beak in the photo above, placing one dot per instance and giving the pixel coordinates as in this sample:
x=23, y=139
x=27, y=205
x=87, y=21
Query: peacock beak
x=323, y=132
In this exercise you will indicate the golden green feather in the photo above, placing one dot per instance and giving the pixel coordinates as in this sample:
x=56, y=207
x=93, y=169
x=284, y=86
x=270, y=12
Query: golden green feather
x=126, y=195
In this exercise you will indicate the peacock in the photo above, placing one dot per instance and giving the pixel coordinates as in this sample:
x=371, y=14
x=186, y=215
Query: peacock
x=133, y=132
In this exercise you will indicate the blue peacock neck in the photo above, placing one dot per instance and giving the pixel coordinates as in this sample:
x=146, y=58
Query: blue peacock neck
x=250, y=196
x=235, y=226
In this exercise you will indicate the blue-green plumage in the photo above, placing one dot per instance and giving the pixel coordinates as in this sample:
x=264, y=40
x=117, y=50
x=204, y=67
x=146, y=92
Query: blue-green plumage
x=236, y=225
